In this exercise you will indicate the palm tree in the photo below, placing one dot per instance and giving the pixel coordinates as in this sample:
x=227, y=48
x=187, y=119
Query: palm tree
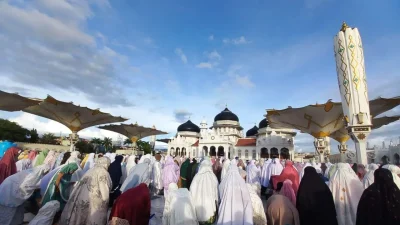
x=107, y=142
x=48, y=138
x=127, y=141
x=96, y=141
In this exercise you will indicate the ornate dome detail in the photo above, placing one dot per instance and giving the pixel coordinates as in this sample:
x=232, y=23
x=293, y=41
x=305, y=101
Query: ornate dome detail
x=263, y=123
x=252, y=132
x=189, y=126
x=226, y=114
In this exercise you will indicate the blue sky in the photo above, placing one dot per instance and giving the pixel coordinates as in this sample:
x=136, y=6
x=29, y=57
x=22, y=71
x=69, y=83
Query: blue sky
x=159, y=62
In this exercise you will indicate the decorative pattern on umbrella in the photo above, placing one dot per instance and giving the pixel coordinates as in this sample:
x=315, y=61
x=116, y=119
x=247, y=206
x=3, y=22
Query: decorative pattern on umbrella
x=133, y=131
x=74, y=117
x=13, y=102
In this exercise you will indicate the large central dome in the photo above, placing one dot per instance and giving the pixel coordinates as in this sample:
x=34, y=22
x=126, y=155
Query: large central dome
x=226, y=115
x=189, y=126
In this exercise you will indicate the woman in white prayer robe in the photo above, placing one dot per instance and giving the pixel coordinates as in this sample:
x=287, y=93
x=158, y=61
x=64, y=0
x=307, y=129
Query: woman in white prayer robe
x=253, y=173
x=46, y=214
x=156, y=176
x=369, y=176
x=15, y=190
x=179, y=208
x=274, y=168
x=204, y=191
x=138, y=174
x=89, y=163
x=264, y=177
x=236, y=206
x=259, y=217
x=395, y=173
x=225, y=167
x=346, y=189
x=23, y=164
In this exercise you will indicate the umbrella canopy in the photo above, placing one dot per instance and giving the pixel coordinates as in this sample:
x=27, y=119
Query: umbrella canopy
x=133, y=131
x=381, y=105
x=165, y=140
x=319, y=120
x=14, y=102
x=382, y=121
x=75, y=117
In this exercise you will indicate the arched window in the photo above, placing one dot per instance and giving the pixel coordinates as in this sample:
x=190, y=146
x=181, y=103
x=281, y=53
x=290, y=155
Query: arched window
x=396, y=159
x=239, y=153
x=221, y=151
x=264, y=153
x=177, y=152
x=246, y=153
x=254, y=154
x=171, y=151
x=285, y=153
x=274, y=153
x=194, y=153
x=183, y=152
x=205, y=150
x=212, y=151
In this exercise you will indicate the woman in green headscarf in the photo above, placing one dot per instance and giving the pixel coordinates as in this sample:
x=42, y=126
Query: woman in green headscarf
x=184, y=173
x=58, y=187
x=41, y=157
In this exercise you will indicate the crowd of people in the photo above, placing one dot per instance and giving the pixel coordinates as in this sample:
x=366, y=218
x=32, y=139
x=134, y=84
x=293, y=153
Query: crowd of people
x=68, y=188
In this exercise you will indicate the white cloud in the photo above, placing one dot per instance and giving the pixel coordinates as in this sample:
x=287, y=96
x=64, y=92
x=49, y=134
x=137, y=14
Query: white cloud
x=182, y=55
x=236, y=41
x=211, y=37
x=234, y=73
x=244, y=81
x=214, y=55
x=204, y=65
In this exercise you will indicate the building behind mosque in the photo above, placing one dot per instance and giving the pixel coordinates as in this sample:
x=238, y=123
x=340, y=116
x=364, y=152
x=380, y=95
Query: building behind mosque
x=225, y=138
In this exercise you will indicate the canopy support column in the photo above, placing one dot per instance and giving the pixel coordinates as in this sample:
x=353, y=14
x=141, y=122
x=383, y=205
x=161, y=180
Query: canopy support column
x=321, y=145
x=73, y=137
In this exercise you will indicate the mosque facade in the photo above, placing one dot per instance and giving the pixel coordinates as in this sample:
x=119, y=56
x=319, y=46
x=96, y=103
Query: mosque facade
x=225, y=138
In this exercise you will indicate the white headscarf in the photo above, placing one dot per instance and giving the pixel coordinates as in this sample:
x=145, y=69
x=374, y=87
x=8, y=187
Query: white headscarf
x=179, y=208
x=225, y=168
x=204, y=191
x=236, y=206
x=264, y=177
x=274, y=168
x=89, y=163
x=130, y=163
x=17, y=188
x=46, y=214
x=395, y=173
x=369, y=176
x=253, y=173
x=346, y=189
x=23, y=164
x=74, y=157
x=138, y=174
x=259, y=217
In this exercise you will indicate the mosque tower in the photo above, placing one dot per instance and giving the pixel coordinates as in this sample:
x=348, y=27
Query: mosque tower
x=203, y=127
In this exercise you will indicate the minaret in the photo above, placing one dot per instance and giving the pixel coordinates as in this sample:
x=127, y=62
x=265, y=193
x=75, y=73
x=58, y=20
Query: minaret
x=203, y=128
x=153, y=138
x=350, y=68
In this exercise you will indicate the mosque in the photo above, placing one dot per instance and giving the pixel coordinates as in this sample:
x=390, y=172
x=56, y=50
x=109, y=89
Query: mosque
x=225, y=138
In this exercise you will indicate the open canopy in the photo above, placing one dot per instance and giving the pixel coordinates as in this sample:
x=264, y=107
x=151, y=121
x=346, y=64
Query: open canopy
x=133, y=131
x=164, y=140
x=14, y=102
x=319, y=120
x=382, y=121
x=75, y=117
x=381, y=105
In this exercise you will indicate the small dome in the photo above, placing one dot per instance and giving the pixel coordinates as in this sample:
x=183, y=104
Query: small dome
x=252, y=132
x=189, y=126
x=226, y=115
x=263, y=123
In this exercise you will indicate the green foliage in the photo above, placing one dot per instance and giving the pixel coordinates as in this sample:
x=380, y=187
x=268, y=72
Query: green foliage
x=107, y=143
x=144, y=146
x=127, y=141
x=11, y=131
x=96, y=141
x=48, y=138
x=84, y=147
x=34, y=136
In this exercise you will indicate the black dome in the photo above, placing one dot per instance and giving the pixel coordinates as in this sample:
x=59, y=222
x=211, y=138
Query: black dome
x=189, y=126
x=226, y=115
x=263, y=123
x=252, y=132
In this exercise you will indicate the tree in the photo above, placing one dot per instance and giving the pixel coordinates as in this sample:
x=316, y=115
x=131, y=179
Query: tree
x=107, y=142
x=48, y=138
x=96, y=141
x=11, y=131
x=84, y=147
x=144, y=146
x=34, y=136
x=127, y=141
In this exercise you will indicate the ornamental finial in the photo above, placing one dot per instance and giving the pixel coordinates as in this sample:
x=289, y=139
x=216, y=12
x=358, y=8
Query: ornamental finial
x=344, y=26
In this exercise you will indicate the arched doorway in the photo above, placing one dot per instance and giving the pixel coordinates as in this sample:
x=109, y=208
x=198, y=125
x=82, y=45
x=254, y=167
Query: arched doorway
x=274, y=153
x=385, y=160
x=205, y=150
x=254, y=154
x=396, y=159
x=177, y=152
x=240, y=153
x=285, y=153
x=246, y=154
x=221, y=151
x=212, y=151
x=183, y=152
x=264, y=153
x=171, y=151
